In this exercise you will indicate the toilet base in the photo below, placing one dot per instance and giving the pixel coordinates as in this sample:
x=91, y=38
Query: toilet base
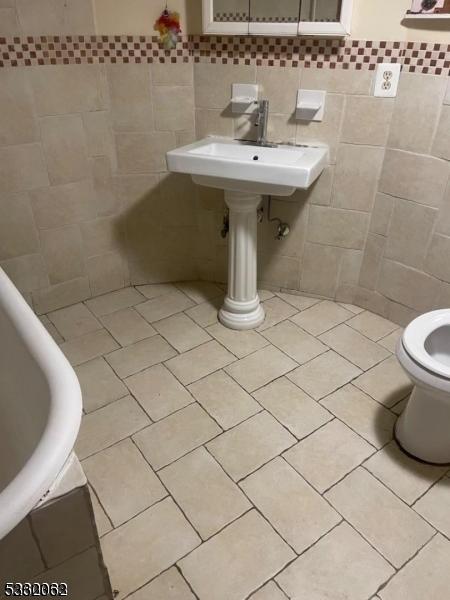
x=423, y=429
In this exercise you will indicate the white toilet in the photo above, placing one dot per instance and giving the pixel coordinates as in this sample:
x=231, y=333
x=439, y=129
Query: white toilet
x=423, y=429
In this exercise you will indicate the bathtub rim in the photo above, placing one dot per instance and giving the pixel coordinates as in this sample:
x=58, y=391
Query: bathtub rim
x=34, y=479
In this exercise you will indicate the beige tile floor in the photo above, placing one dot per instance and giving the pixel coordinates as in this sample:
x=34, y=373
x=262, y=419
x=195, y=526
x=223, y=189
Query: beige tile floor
x=234, y=465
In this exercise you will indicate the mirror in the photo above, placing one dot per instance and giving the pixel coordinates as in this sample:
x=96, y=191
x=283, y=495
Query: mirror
x=231, y=11
x=268, y=11
x=320, y=11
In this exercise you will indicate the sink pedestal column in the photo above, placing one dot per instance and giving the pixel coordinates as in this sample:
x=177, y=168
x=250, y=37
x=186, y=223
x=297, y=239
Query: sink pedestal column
x=242, y=308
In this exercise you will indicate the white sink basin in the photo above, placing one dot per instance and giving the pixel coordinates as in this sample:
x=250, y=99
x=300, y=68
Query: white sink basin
x=242, y=167
x=246, y=172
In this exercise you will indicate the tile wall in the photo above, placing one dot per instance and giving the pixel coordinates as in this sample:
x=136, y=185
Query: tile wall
x=57, y=543
x=87, y=206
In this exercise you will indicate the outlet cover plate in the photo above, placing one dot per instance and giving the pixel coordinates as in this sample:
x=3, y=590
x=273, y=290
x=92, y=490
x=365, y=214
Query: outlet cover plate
x=387, y=79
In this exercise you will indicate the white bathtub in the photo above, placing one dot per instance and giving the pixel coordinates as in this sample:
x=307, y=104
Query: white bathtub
x=40, y=408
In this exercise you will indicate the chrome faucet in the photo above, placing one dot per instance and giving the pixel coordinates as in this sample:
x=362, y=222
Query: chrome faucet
x=262, y=118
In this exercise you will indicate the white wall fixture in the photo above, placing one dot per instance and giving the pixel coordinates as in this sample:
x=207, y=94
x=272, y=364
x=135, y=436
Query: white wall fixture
x=244, y=98
x=387, y=80
x=310, y=105
x=246, y=171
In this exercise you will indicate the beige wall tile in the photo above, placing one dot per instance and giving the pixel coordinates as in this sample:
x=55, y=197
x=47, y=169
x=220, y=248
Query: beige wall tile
x=443, y=222
x=65, y=148
x=356, y=176
x=280, y=87
x=143, y=152
x=9, y=23
x=101, y=235
x=413, y=129
x=83, y=574
x=18, y=124
x=407, y=286
x=410, y=232
x=57, y=18
x=147, y=545
x=337, y=81
x=173, y=73
x=367, y=120
x=131, y=97
x=372, y=261
x=28, y=273
x=19, y=553
x=436, y=262
x=320, y=191
x=336, y=227
x=295, y=213
x=22, y=168
x=213, y=122
x=320, y=269
x=381, y=214
x=441, y=144
x=423, y=179
x=213, y=83
x=173, y=107
x=326, y=131
x=18, y=234
x=61, y=205
x=281, y=129
x=106, y=272
x=63, y=89
x=106, y=201
x=64, y=528
x=62, y=251
x=350, y=267
x=63, y=294
x=278, y=271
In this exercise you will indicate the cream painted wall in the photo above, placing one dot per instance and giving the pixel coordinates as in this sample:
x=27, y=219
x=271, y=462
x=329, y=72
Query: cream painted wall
x=372, y=19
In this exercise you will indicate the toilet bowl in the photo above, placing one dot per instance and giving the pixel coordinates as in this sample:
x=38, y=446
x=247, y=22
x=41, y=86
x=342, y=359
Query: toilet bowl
x=423, y=428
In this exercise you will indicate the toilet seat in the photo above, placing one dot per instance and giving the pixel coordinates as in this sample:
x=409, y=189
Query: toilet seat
x=416, y=335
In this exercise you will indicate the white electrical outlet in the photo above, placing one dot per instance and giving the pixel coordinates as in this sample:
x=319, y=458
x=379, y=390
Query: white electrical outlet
x=386, y=80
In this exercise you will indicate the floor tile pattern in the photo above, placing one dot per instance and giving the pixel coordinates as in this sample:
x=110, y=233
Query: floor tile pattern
x=251, y=465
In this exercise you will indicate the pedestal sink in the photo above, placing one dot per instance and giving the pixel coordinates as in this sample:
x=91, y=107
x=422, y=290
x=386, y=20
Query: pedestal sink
x=246, y=171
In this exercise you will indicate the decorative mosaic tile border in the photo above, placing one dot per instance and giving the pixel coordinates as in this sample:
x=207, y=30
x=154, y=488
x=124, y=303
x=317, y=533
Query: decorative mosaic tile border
x=263, y=51
x=78, y=49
